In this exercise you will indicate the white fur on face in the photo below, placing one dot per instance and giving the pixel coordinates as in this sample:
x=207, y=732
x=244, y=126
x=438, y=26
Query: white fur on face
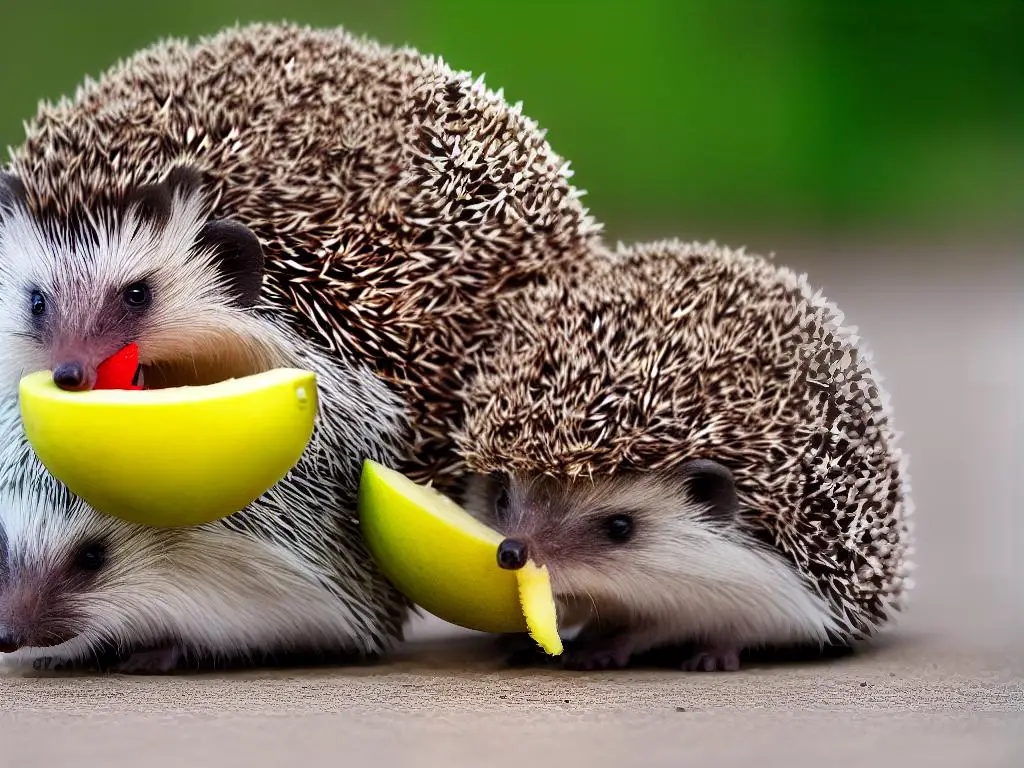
x=191, y=318
x=680, y=579
x=206, y=591
x=41, y=539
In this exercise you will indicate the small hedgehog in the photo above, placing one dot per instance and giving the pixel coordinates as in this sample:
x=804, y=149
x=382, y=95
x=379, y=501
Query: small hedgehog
x=273, y=195
x=697, y=448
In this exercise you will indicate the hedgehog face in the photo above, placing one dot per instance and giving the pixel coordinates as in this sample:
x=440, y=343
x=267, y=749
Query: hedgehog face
x=148, y=267
x=591, y=532
x=71, y=579
x=78, y=586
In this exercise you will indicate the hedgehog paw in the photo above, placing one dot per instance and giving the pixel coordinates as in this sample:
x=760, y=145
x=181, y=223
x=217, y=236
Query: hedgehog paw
x=158, y=661
x=520, y=650
x=714, y=659
x=613, y=653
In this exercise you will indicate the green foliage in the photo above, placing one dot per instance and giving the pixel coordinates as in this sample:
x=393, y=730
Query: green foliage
x=781, y=113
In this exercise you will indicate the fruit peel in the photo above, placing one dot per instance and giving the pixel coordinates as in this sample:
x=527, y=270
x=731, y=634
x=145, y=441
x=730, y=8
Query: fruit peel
x=446, y=561
x=171, y=457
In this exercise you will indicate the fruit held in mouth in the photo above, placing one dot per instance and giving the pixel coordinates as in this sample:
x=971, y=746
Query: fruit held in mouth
x=120, y=370
x=446, y=561
x=171, y=457
x=538, y=606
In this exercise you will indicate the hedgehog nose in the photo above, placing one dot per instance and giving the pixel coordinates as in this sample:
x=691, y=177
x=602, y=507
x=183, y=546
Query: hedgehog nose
x=8, y=644
x=512, y=554
x=69, y=376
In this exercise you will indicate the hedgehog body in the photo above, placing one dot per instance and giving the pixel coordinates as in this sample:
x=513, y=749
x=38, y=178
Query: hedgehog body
x=394, y=198
x=272, y=195
x=603, y=396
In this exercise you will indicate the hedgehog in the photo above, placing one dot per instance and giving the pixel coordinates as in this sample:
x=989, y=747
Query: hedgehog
x=271, y=195
x=697, y=447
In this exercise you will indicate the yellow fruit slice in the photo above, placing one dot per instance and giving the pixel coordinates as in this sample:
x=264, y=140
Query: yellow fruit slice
x=446, y=561
x=172, y=457
x=539, y=607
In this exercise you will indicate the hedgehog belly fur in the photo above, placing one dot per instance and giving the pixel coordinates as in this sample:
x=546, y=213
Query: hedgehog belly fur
x=721, y=590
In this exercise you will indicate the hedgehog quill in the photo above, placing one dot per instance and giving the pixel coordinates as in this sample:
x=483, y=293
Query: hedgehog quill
x=273, y=195
x=699, y=450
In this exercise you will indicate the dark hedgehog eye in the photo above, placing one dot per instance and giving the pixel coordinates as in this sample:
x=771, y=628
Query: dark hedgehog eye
x=137, y=296
x=91, y=557
x=619, y=528
x=38, y=303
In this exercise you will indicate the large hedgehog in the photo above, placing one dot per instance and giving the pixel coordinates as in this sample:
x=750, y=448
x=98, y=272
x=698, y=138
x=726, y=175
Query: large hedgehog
x=695, y=444
x=272, y=195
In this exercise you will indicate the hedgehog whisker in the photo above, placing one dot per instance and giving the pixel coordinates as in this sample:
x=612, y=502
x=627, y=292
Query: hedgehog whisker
x=594, y=603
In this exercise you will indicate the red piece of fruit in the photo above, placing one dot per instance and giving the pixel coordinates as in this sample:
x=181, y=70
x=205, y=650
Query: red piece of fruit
x=118, y=370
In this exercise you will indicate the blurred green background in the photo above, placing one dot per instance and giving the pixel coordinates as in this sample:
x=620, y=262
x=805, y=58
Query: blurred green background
x=688, y=117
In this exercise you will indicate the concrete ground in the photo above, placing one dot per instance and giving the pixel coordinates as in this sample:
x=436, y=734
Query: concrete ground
x=946, y=688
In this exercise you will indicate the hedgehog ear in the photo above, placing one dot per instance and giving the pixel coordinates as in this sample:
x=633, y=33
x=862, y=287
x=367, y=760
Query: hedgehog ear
x=712, y=486
x=152, y=202
x=183, y=179
x=239, y=257
x=12, y=192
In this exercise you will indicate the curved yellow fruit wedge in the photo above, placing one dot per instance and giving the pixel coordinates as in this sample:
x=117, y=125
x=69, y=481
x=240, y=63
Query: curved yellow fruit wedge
x=172, y=457
x=446, y=561
x=539, y=607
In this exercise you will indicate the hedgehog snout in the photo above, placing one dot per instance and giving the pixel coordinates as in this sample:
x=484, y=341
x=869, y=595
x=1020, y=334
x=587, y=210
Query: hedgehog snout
x=11, y=636
x=512, y=554
x=76, y=356
x=70, y=376
x=30, y=618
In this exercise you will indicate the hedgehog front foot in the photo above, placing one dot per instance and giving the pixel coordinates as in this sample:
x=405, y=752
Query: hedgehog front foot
x=520, y=650
x=156, y=661
x=713, y=659
x=608, y=653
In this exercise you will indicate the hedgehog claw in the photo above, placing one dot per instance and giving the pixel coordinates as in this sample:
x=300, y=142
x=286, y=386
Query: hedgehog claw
x=713, y=660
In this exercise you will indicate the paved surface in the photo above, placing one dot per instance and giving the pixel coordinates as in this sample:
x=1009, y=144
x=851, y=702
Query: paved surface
x=945, y=689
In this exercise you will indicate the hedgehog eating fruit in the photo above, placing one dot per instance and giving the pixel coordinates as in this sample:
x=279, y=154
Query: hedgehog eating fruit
x=270, y=196
x=698, y=449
